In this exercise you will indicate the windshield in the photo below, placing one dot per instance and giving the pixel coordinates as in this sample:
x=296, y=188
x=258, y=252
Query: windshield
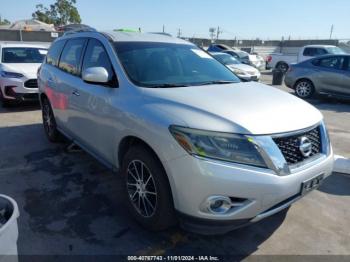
x=16, y=55
x=226, y=59
x=242, y=54
x=150, y=64
x=335, y=51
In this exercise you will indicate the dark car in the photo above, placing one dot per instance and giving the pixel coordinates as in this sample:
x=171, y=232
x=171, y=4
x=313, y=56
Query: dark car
x=328, y=75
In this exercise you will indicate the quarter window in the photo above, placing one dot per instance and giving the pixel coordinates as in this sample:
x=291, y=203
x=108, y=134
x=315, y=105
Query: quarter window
x=71, y=55
x=54, y=53
x=312, y=51
x=96, y=56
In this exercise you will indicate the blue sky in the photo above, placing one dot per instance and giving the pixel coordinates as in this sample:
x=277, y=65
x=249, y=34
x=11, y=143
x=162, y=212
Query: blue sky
x=268, y=19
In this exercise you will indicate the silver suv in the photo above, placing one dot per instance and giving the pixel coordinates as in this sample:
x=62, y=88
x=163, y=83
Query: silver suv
x=192, y=143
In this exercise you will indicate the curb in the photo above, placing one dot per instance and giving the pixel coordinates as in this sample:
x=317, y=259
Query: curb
x=341, y=165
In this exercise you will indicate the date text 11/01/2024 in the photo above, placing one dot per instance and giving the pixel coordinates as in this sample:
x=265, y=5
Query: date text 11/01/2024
x=173, y=258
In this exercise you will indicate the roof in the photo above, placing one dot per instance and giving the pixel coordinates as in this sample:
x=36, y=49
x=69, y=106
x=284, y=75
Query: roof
x=119, y=36
x=219, y=53
x=122, y=36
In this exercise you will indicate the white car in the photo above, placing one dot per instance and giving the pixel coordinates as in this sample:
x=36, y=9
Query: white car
x=283, y=61
x=244, y=72
x=19, y=64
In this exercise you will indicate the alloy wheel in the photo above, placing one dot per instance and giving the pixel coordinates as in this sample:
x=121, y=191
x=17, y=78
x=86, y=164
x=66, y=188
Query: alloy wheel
x=303, y=89
x=141, y=188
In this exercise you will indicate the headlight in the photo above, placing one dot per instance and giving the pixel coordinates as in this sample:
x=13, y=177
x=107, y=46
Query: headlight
x=222, y=146
x=237, y=71
x=10, y=74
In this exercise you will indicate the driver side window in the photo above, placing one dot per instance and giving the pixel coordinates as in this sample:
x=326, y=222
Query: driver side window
x=96, y=56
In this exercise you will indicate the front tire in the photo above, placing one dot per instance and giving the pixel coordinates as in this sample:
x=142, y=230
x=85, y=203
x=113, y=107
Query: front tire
x=304, y=89
x=49, y=122
x=146, y=189
x=4, y=102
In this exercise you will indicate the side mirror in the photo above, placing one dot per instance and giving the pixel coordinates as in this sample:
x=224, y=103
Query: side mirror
x=98, y=75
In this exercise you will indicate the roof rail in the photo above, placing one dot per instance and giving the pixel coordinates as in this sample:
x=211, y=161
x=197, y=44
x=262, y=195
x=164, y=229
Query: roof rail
x=80, y=30
x=160, y=33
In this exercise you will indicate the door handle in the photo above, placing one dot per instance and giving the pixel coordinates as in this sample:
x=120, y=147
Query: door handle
x=76, y=93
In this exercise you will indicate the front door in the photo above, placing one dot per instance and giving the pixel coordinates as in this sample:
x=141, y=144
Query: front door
x=92, y=105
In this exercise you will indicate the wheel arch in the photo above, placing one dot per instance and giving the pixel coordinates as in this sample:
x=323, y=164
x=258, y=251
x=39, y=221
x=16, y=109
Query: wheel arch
x=127, y=142
x=42, y=97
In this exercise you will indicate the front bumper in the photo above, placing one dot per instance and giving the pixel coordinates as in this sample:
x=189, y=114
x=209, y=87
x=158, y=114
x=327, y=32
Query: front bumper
x=196, y=179
x=248, y=77
x=289, y=81
x=15, y=89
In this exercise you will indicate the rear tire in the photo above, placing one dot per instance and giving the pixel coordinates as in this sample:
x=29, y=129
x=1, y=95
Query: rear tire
x=283, y=67
x=49, y=122
x=146, y=189
x=304, y=89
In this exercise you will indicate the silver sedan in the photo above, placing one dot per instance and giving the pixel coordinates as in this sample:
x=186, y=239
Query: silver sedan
x=326, y=75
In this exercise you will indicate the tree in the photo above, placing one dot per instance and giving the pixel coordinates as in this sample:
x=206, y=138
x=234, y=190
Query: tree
x=60, y=13
x=4, y=22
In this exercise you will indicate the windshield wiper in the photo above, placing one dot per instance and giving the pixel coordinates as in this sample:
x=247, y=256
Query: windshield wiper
x=217, y=82
x=167, y=85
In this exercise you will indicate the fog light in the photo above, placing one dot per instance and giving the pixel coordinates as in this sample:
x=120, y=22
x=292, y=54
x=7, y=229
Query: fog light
x=219, y=204
x=9, y=91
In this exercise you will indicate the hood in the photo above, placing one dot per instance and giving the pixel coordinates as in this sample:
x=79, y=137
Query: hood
x=29, y=70
x=244, y=67
x=245, y=108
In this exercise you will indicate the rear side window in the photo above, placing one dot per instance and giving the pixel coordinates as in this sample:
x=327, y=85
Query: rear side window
x=312, y=51
x=71, y=56
x=332, y=62
x=96, y=56
x=309, y=52
x=54, y=53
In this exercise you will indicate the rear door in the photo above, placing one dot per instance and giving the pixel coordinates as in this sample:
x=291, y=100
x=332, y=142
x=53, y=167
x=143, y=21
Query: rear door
x=330, y=75
x=91, y=104
x=68, y=78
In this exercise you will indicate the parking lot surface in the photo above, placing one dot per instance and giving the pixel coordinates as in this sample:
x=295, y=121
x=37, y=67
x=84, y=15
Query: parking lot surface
x=71, y=205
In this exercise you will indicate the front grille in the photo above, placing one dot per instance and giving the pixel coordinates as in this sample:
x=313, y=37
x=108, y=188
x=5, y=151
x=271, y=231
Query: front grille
x=290, y=145
x=31, y=83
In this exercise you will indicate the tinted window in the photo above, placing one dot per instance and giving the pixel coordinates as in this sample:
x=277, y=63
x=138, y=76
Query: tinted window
x=309, y=51
x=226, y=59
x=154, y=64
x=332, y=62
x=71, y=55
x=320, y=51
x=54, y=53
x=233, y=54
x=312, y=51
x=96, y=56
x=17, y=55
